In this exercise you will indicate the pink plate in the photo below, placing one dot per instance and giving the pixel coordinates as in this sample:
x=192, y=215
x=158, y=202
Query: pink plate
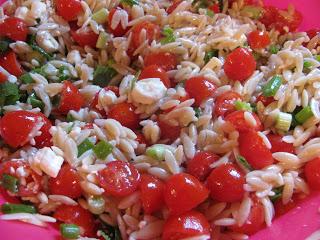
x=295, y=225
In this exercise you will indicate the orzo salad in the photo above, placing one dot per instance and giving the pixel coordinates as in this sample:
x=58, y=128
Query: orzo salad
x=157, y=119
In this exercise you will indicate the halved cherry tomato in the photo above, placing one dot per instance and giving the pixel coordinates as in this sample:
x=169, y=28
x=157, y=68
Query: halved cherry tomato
x=67, y=183
x=184, y=192
x=118, y=30
x=200, y=89
x=187, y=225
x=199, y=165
x=3, y=77
x=282, y=209
x=16, y=126
x=226, y=183
x=313, y=32
x=152, y=32
x=173, y=6
x=154, y=71
x=239, y=65
x=265, y=100
x=94, y=102
x=312, y=172
x=84, y=37
x=79, y=216
x=215, y=8
x=140, y=138
x=10, y=63
x=68, y=9
x=224, y=104
x=166, y=60
x=278, y=145
x=124, y=113
x=238, y=121
x=255, y=219
x=71, y=99
x=151, y=190
x=14, y=28
x=169, y=132
x=258, y=39
x=253, y=149
x=119, y=178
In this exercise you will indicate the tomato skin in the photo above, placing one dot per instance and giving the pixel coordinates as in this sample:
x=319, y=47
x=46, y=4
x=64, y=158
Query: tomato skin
x=258, y=39
x=84, y=37
x=66, y=183
x=226, y=183
x=71, y=99
x=200, y=89
x=168, y=132
x=118, y=31
x=239, y=65
x=166, y=60
x=68, y=9
x=3, y=77
x=199, y=165
x=224, y=103
x=14, y=28
x=190, y=224
x=313, y=32
x=44, y=140
x=265, y=100
x=124, y=113
x=238, y=121
x=77, y=215
x=255, y=221
x=10, y=63
x=253, y=149
x=152, y=33
x=140, y=138
x=119, y=178
x=154, y=71
x=184, y=192
x=173, y=6
x=94, y=103
x=312, y=172
x=278, y=145
x=16, y=126
x=151, y=189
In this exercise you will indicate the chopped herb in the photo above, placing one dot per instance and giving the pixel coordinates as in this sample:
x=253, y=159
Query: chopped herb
x=103, y=75
x=135, y=79
x=84, y=146
x=70, y=118
x=68, y=130
x=156, y=151
x=304, y=115
x=102, y=40
x=271, y=88
x=317, y=57
x=197, y=111
x=4, y=46
x=34, y=101
x=210, y=54
x=239, y=105
x=130, y=2
x=63, y=73
x=40, y=70
x=102, y=149
x=220, y=5
x=9, y=208
x=41, y=51
x=26, y=78
x=278, y=193
x=210, y=13
x=104, y=235
x=10, y=183
x=69, y=231
x=307, y=65
x=9, y=94
x=274, y=49
x=168, y=36
x=244, y=163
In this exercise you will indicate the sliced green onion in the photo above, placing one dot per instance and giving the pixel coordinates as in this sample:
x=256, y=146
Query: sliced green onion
x=168, y=36
x=197, y=111
x=86, y=145
x=157, y=151
x=34, y=101
x=277, y=194
x=210, y=54
x=102, y=75
x=130, y=2
x=210, y=13
x=10, y=183
x=239, y=105
x=304, y=115
x=69, y=231
x=104, y=235
x=70, y=118
x=4, y=46
x=63, y=73
x=100, y=16
x=252, y=11
x=283, y=121
x=41, y=51
x=102, y=40
x=9, y=208
x=244, y=163
x=102, y=149
x=96, y=204
x=274, y=49
x=271, y=88
x=26, y=78
x=40, y=70
x=9, y=93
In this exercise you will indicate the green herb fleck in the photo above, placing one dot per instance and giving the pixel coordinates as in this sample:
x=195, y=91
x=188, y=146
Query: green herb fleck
x=9, y=94
x=34, y=101
x=307, y=66
x=244, y=163
x=26, y=78
x=84, y=146
x=103, y=75
x=4, y=46
x=10, y=183
x=197, y=111
x=210, y=13
x=130, y=2
x=168, y=34
x=210, y=54
x=274, y=49
x=239, y=105
x=317, y=57
x=63, y=73
x=278, y=193
x=70, y=118
x=102, y=149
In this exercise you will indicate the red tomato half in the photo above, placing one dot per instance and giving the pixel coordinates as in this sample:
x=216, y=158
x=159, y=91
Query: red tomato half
x=10, y=63
x=265, y=100
x=85, y=37
x=151, y=189
x=119, y=178
x=117, y=31
x=94, y=102
x=66, y=183
x=79, y=216
x=68, y=9
x=199, y=165
x=3, y=77
x=278, y=145
x=44, y=140
x=154, y=71
x=253, y=149
x=224, y=104
x=184, y=192
x=239, y=65
x=15, y=128
x=124, y=113
x=282, y=209
x=215, y=8
x=226, y=183
x=258, y=39
x=238, y=121
x=200, y=89
x=71, y=99
x=152, y=32
x=312, y=172
x=14, y=28
x=190, y=224
x=169, y=132
x=166, y=60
